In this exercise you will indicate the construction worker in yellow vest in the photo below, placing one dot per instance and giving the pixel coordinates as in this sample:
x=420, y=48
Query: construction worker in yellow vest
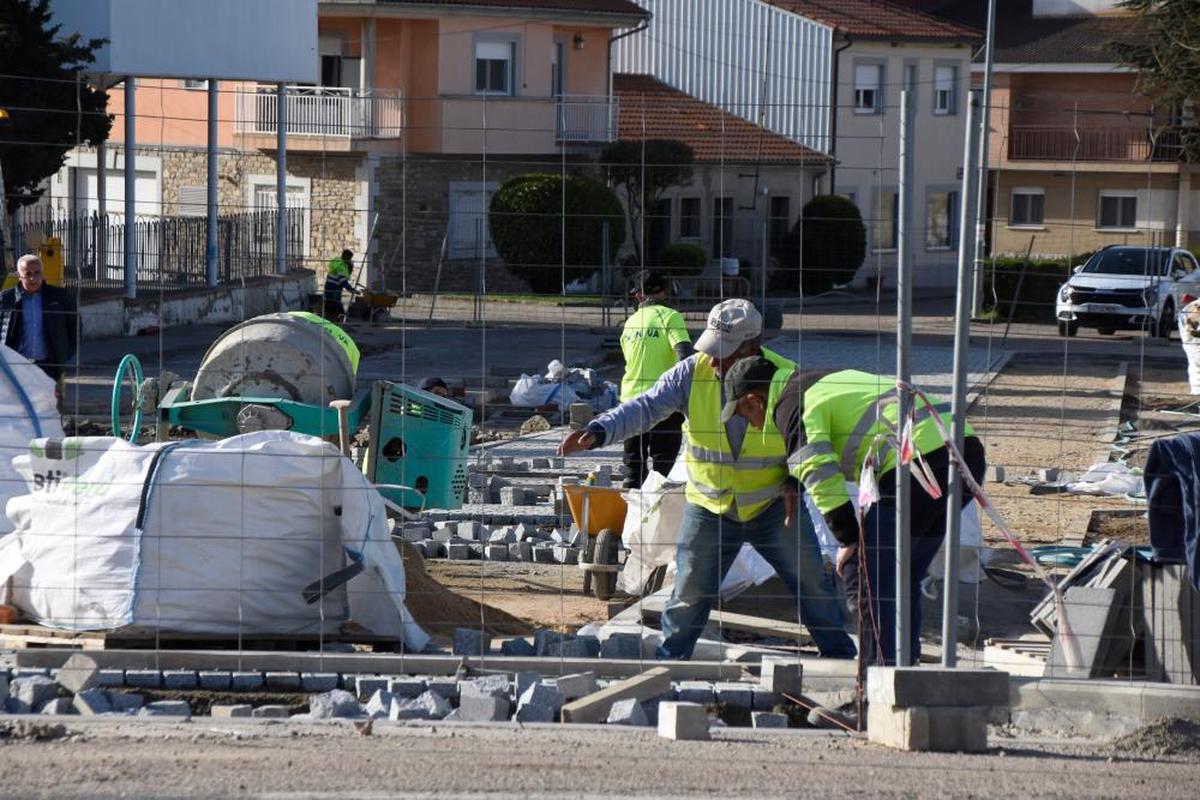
x=830, y=422
x=653, y=339
x=738, y=489
x=337, y=278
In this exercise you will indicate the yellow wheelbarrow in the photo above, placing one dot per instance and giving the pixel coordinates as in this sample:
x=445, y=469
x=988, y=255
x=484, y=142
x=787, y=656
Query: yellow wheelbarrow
x=599, y=513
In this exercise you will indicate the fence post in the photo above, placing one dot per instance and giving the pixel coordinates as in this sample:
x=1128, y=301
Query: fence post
x=130, y=187
x=210, y=239
x=281, y=181
x=903, y=654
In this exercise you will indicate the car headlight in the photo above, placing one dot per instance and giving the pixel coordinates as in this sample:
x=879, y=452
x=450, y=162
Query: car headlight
x=1064, y=294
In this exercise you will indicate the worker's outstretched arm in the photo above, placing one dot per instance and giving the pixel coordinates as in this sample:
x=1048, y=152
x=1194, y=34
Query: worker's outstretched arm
x=668, y=395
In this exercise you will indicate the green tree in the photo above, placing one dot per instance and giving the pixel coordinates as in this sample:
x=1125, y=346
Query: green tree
x=645, y=169
x=49, y=105
x=824, y=249
x=529, y=214
x=1166, y=53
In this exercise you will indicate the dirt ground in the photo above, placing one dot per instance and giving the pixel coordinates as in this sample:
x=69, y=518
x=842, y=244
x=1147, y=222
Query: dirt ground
x=232, y=758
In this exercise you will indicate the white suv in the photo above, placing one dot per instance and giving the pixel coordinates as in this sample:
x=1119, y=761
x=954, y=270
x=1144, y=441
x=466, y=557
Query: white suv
x=1124, y=287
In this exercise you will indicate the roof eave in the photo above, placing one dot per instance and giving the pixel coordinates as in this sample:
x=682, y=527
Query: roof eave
x=398, y=9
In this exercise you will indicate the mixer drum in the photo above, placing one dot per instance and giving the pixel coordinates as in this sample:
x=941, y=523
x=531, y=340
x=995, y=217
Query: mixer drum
x=281, y=356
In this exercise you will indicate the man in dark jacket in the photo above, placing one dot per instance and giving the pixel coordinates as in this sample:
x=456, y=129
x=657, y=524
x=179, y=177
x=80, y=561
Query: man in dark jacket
x=39, y=320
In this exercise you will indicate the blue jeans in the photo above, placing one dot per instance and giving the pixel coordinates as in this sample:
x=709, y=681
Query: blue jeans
x=707, y=547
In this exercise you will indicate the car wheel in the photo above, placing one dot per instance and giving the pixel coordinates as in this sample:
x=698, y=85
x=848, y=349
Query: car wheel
x=1166, y=321
x=1106, y=331
x=1068, y=328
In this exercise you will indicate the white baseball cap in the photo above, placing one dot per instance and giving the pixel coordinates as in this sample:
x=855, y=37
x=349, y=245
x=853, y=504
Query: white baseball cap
x=731, y=323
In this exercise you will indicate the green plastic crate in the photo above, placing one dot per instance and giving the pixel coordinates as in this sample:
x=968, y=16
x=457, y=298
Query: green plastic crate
x=420, y=440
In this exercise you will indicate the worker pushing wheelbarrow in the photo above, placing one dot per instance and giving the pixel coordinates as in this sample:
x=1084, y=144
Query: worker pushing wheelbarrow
x=599, y=513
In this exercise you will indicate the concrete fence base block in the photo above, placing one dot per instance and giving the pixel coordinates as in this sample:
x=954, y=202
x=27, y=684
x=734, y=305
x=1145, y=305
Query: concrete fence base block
x=682, y=721
x=907, y=687
x=943, y=729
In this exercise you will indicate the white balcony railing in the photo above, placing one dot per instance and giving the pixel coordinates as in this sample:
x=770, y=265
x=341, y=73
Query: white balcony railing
x=583, y=118
x=322, y=111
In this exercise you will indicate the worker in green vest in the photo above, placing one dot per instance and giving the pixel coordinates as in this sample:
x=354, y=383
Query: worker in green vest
x=337, y=279
x=830, y=424
x=738, y=489
x=653, y=339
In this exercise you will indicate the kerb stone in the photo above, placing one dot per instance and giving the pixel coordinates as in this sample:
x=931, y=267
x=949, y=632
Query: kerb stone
x=682, y=721
x=908, y=687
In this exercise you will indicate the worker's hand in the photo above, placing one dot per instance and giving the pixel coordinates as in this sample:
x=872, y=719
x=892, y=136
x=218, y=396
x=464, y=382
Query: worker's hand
x=789, y=504
x=844, y=554
x=579, y=440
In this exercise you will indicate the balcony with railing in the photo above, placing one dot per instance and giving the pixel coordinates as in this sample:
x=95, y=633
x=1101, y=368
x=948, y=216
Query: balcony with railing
x=325, y=112
x=1086, y=143
x=585, y=119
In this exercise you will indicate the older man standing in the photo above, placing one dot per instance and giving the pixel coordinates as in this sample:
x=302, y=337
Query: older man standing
x=738, y=488
x=39, y=320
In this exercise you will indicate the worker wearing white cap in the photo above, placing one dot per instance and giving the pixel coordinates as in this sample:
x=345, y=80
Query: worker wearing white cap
x=738, y=488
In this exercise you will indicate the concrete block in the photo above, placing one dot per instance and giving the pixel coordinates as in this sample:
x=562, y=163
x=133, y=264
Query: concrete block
x=504, y=536
x=442, y=533
x=443, y=686
x=78, y=673
x=367, y=685
x=472, y=531
x=143, y=678
x=471, y=642
x=520, y=551
x=379, y=704
x=57, y=707
x=523, y=680
x=995, y=473
x=458, y=552
x=432, y=548
x=406, y=687
x=541, y=702
x=476, y=549
x=318, y=681
x=768, y=719
x=415, y=532
x=110, y=677
x=578, y=647
x=3, y=686
x=215, y=680
x=246, y=681
x=487, y=686
x=782, y=675
x=699, y=693
x=763, y=700
x=622, y=645
x=543, y=639
x=124, y=702
x=90, y=702
x=179, y=679
x=231, y=711
x=336, y=703
x=735, y=695
x=271, y=712
x=481, y=708
x=427, y=706
x=282, y=681
x=565, y=554
x=166, y=708
x=572, y=687
x=946, y=729
x=543, y=553
x=32, y=691
x=682, y=721
x=627, y=712
x=906, y=687
x=525, y=532
x=496, y=552
x=517, y=647
x=651, y=684
x=1048, y=474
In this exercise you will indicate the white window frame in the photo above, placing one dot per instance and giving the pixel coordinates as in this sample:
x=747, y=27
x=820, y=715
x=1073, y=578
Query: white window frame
x=513, y=44
x=945, y=91
x=303, y=187
x=880, y=76
x=1116, y=195
x=1030, y=191
x=454, y=251
x=952, y=225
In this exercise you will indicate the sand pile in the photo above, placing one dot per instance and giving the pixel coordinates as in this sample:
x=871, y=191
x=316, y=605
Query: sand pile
x=439, y=611
x=1165, y=737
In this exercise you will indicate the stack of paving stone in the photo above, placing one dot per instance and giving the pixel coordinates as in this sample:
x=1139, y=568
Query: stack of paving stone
x=472, y=540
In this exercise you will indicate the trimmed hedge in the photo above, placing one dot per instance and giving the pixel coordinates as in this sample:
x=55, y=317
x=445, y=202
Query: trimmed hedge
x=682, y=258
x=1043, y=277
x=526, y=222
x=826, y=251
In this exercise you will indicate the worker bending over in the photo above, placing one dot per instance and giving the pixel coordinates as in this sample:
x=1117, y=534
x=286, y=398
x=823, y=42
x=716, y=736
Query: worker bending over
x=737, y=489
x=831, y=422
x=653, y=340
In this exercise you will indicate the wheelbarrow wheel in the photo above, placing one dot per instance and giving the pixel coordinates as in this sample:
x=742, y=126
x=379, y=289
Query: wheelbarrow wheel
x=604, y=584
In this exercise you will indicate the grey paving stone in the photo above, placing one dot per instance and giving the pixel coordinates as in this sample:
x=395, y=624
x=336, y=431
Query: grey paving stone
x=520, y=551
x=166, y=708
x=622, y=645
x=32, y=691
x=523, y=680
x=334, y=703
x=443, y=686
x=782, y=675
x=543, y=553
x=768, y=719
x=124, y=702
x=246, y=681
x=496, y=552
x=764, y=700
x=565, y=554
x=698, y=692
x=572, y=687
x=476, y=549
x=482, y=708
x=458, y=552
x=471, y=531
x=318, y=681
x=282, y=681
x=627, y=712
x=79, y=672
x=179, y=679
x=380, y=704
x=735, y=695
x=90, y=702
x=111, y=677
x=427, y=706
x=215, y=680
x=271, y=712
x=367, y=685
x=517, y=647
x=442, y=533
x=486, y=686
x=407, y=688
x=57, y=707
x=504, y=536
x=471, y=642
x=543, y=639
x=579, y=647
x=541, y=702
x=231, y=711
x=143, y=678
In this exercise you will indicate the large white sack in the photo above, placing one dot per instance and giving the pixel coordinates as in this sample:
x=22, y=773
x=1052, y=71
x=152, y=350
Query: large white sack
x=201, y=537
x=28, y=410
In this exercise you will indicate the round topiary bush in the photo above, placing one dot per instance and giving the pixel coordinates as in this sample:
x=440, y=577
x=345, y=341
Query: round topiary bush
x=682, y=258
x=527, y=217
x=824, y=249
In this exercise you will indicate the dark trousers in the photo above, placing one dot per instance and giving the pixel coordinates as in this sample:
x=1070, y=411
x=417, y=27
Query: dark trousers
x=333, y=309
x=656, y=448
x=876, y=608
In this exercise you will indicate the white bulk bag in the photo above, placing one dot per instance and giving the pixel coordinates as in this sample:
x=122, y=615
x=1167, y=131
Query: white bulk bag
x=28, y=410
x=201, y=537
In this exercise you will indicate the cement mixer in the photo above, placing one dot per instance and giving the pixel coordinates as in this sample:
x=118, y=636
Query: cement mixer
x=287, y=372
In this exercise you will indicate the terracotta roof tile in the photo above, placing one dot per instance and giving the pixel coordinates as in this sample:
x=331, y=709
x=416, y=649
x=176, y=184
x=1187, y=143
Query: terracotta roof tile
x=623, y=7
x=671, y=114
x=879, y=19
